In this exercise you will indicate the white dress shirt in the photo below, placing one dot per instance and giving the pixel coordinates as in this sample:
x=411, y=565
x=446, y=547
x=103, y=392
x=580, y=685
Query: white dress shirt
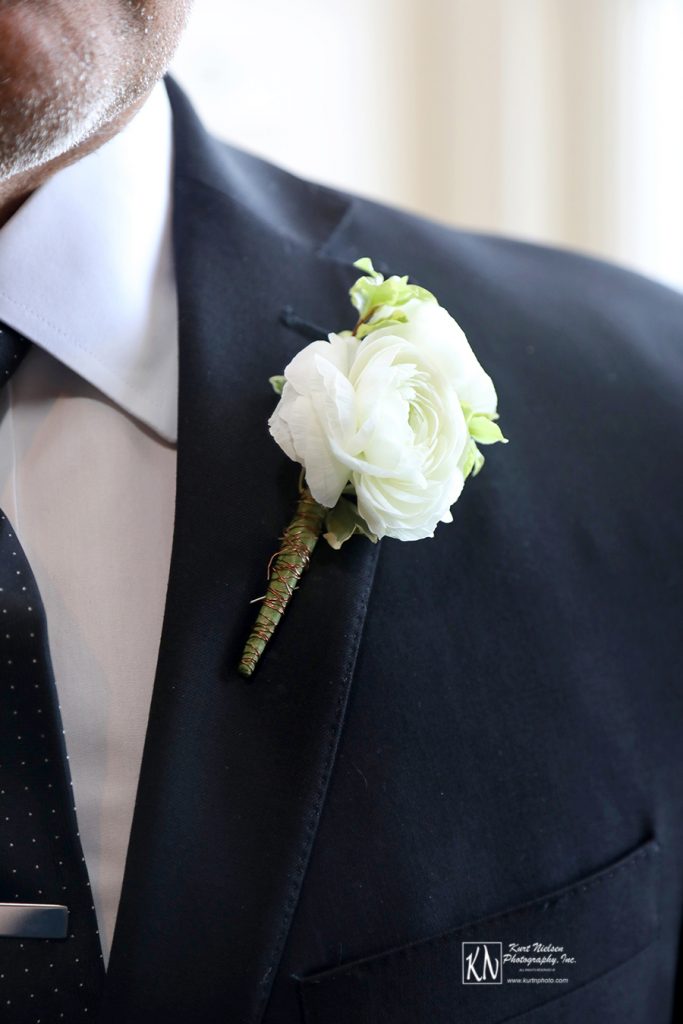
x=87, y=455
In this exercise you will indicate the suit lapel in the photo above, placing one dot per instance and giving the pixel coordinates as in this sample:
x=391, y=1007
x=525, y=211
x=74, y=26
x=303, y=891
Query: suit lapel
x=234, y=774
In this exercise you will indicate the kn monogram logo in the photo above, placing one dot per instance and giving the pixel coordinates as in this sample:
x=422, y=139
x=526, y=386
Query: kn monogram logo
x=516, y=963
x=482, y=963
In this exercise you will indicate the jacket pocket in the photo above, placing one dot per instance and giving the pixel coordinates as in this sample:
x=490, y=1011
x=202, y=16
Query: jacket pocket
x=487, y=972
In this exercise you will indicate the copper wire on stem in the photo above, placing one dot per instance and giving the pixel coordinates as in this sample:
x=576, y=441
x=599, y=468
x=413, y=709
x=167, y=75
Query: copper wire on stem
x=285, y=569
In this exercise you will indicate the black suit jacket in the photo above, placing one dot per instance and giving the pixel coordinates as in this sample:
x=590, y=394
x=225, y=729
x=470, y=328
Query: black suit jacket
x=471, y=738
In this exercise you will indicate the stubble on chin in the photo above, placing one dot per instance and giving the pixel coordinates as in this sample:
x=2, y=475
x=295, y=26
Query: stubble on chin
x=65, y=80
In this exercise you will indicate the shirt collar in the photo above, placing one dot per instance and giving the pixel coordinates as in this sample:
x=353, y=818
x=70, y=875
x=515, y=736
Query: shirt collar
x=86, y=268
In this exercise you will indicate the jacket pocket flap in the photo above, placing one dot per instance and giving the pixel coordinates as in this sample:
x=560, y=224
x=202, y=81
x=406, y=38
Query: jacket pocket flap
x=481, y=973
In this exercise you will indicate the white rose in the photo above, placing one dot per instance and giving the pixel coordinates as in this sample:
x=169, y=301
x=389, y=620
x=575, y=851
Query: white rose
x=385, y=414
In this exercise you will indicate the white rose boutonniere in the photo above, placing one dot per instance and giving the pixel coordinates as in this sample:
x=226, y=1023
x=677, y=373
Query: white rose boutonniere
x=385, y=421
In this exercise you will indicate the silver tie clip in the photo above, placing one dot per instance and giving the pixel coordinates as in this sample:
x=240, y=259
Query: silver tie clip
x=33, y=921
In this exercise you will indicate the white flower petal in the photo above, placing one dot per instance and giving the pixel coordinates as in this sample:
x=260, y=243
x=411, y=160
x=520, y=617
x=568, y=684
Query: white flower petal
x=386, y=414
x=325, y=476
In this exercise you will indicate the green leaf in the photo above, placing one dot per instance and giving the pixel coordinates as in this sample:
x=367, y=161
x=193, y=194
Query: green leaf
x=372, y=292
x=473, y=462
x=342, y=521
x=414, y=291
x=483, y=429
x=277, y=383
x=365, y=264
x=374, y=325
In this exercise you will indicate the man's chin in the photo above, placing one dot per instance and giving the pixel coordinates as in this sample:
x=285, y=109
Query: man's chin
x=37, y=124
x=72, y=73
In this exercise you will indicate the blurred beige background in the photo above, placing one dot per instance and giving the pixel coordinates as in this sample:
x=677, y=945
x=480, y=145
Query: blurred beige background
x=553, y=120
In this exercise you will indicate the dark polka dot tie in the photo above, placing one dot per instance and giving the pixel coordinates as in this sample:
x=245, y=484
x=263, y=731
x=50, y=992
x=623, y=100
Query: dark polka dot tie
x=42, y=980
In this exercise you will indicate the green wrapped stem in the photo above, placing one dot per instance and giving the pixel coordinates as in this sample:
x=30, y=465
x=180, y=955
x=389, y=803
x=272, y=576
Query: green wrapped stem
x=284, y=572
